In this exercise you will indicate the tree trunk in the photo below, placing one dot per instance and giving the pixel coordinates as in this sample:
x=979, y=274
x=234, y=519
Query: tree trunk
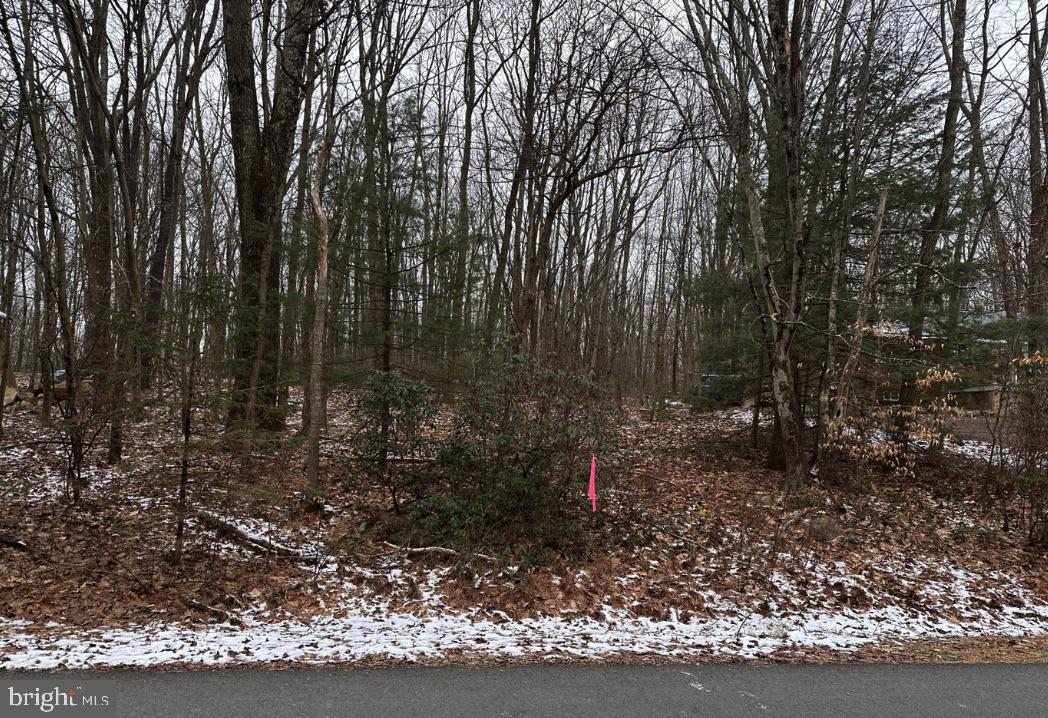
x=261, y=157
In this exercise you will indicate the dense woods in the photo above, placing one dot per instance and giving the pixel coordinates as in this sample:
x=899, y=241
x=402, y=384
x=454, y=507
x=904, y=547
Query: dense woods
x=236, y=206
x=476, y=331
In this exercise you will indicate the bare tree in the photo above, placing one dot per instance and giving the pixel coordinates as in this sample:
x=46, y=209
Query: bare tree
x=263, y=134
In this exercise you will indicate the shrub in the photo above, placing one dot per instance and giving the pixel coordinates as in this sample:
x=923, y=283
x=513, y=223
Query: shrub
x=871, y=437
x=394, y=415
x=511, y=476
x=716, y=391
x=1028, y=431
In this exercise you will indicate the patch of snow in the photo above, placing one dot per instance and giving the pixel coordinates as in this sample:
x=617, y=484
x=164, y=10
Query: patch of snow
x=362, y=625
x=888, y=329
x=372, y=632
x=742, y=416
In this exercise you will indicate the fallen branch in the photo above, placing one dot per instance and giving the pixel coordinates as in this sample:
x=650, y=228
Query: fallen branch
x=249, y=539
x=662, y=480
x=15, y=543
x=145, y=586
x=212, y=610
x=674, y=534
x=437, y=549
x=341, y=440
x=233, y=599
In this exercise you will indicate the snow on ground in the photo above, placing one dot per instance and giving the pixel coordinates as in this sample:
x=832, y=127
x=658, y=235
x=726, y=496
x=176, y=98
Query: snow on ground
x=361, y=625
x=741, y=416
x=371, y=631
x=968, y=448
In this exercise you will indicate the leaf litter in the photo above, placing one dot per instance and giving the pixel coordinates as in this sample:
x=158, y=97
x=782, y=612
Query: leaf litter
x=695, y=554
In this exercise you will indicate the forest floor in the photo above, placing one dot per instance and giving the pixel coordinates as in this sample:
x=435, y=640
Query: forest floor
x=695, y=554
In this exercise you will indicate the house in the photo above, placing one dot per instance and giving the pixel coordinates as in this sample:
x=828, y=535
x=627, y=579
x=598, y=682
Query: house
x=983, y=397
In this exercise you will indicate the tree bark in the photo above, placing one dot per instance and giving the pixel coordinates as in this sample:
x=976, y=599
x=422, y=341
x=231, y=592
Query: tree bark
x=261, y=158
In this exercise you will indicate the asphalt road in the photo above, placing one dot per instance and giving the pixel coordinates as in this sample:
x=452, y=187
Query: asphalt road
x=577, y=692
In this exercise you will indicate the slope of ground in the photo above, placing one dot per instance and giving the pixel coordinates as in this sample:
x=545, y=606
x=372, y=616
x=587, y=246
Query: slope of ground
x=695, y=552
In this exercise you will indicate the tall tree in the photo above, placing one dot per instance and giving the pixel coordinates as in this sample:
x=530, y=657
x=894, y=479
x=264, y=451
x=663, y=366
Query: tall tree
x=1037, y=109
x=262, y=149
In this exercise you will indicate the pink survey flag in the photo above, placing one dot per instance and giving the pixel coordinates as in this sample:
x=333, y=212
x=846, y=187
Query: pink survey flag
x=593, y=482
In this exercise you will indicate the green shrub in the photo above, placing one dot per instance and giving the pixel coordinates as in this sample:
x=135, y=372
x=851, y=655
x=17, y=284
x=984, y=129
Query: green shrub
x=716, y=391
x=394, y=415
x=511, y=477
x=1027, y=472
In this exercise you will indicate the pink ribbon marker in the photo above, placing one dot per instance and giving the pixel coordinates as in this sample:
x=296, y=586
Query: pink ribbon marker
x=593, y=482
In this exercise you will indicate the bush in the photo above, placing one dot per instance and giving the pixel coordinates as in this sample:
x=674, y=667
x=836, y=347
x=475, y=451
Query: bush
x=1029, y=451
x=717, y=391
x=871, y=437
x=394, y=414
x=512, y=475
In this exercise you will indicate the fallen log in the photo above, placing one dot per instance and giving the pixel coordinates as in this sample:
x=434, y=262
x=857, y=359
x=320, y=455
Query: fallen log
x=437, y=549
x=212, y=611
x=247, y=538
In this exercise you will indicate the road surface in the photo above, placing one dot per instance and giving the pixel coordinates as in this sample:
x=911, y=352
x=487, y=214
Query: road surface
x=579, y=692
